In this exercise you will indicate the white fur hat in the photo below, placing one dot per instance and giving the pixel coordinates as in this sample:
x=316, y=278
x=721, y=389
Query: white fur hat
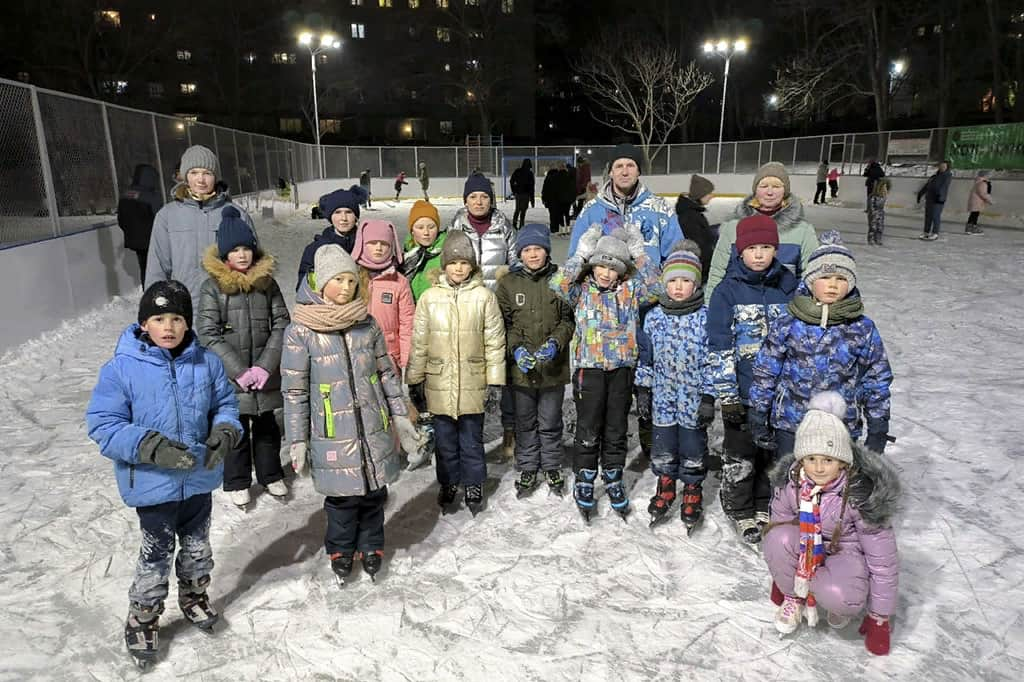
x=822, y=430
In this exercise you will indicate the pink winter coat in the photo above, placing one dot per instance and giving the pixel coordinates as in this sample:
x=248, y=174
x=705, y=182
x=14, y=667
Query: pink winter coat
x=979, y=197
x=392, y=305
x=864, y=569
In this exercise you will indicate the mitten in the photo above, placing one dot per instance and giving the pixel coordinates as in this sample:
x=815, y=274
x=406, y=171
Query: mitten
x=643, y=402
x=418, y=396
x=524, y=360
x=634, y=240
x=493, y=400
x=547, y=352
x=588, y=242
x=734, y=413
x=222, y=440
x=876, y=632
x=878, y=435
x=408, y=434
x=164, y=452
x=760, y=432
x=259, y=378
x=706, y=412
x=300, y=463
x=245, y=379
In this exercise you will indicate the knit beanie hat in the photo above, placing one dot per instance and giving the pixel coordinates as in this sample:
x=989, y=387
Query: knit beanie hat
x=684, y=262
x=772, y=169
x=330, y=261
x=342, y=198
x=629, y=151
x=163, y=297
x=198, y=156
x=756, y=229
x=376, y=231
x=831, y=258
x=611, y=252
x=233, y=232
x=533, y=234
x=700, y=187
x=423, y=209
x=822, y=431
x=457, y=247
x=478, y=182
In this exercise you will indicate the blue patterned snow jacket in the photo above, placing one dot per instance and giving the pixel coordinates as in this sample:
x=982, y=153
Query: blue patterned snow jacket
x=673, y=363
x=798, y=360
x=144, y=389
x=740, y=312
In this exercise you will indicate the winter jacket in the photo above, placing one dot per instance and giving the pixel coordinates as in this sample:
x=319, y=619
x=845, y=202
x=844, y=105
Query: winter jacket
x=876, y=213
x=241, y=317
x=424, y=177
x=138, y=206
x=741, y=311
x=797, y=240
x=606, y=319
x=833, y=175
x=494, y=248
x=582, y=177
x=980, y=196
x=694, y=224
x=523, y=181
x=392, y=305
x=864, y=527
x=458, y=346
x=551, y=193
x=340, y=392
x=533, y=314
x=674, y=364
x=181, y=232
x=822, y=173
x=418, y=261
x=329, y=236
x=144, y=389
x=936, y=189
x=399, y=181
x=657, y=222
x=874, y=172
x=798, y=359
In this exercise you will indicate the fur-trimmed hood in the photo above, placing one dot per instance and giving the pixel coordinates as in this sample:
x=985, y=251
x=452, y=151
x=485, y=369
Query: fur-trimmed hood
x=789, y=216
x=874, y=483
x=259, y=277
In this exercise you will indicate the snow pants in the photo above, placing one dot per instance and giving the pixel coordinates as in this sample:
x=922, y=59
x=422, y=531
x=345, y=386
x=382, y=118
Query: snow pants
x=819, y=193
x=538, y=428
x=460, y=449
x=355, y=523
x=602, y=400
x=745, y=485
x=189, y=520
x=680, y=452
x=840, y=585
x=260, y=448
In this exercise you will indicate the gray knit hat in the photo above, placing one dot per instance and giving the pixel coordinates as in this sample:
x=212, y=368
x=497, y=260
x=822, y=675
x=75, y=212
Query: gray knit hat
x=330, y=261
x=772, y=169
x=831, y=258
x=611, y=252
x=198, y=156
x=822, y=431
x=457, y=247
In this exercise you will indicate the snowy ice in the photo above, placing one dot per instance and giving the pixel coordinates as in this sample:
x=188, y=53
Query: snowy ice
x=526, y=591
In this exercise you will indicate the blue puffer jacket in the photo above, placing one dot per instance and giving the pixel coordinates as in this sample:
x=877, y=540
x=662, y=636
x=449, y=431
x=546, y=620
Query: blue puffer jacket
x=741, y=310
x=657, y=220
x=798, y=360
x=673, y=363
x=143, y=389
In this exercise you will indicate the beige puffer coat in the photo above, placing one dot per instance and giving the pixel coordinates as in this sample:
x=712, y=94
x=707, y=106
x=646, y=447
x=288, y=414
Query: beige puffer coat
x=458, y=346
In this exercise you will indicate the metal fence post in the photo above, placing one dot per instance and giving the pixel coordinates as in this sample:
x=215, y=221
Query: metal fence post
x=266, y=157
x=760, y=143
x=380, y=161
x=795, y=145
x=216, y=147
x=771, y=150
x=703, y=156
x=159, y=157
x=44, y=163
x=735, y=153
x=455, y=150
x=668, y=159
x=416, y=159
x=348, y=162
x=188, y=131
x=888, y=139
x=110, y=151
x=821, y=156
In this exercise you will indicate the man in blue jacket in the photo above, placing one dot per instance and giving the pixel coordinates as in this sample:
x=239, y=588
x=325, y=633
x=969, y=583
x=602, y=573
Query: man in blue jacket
x=934, y=193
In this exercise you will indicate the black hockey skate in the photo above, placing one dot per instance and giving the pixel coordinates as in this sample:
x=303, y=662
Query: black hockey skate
x=692, y=507
x=662, y=500
x=556, y=484
x=372, y=562
x=141, y=633
x=583, y=492
x=195, y=604
x=474, y=498
x=341, y=564
x=447, y=499
x=616, y=492
x=526, y=483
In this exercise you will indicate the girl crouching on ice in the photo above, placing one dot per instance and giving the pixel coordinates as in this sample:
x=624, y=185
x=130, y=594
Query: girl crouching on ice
x=830, y=540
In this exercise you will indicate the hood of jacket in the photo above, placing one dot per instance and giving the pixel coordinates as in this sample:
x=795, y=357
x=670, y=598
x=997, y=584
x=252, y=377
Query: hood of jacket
x=608, y=196
x=874, y=484
x=218, y=199
x=434, y=249
x=259, y=276
x=789, y=216
x=521, y=270
x=145, y=177
x=132, y=344
x=772, y=277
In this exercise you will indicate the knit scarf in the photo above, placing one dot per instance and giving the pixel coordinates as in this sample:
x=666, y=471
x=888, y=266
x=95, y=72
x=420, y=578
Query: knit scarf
x=690, y=305
x=376, y=268
x=812, y=547
x=480, y=225
x=201, y=197
x=324, y=317
x=841, y=312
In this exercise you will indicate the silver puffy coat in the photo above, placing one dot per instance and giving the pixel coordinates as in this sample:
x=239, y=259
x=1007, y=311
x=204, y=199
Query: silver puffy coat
x=494, y=248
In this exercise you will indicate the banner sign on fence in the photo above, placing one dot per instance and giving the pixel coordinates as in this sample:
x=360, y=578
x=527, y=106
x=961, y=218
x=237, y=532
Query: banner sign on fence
x=993, y=147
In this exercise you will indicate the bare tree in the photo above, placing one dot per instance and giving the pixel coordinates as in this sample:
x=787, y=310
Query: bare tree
x=641, y=86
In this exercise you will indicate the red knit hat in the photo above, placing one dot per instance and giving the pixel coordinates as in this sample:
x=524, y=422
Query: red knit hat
x=756, y=229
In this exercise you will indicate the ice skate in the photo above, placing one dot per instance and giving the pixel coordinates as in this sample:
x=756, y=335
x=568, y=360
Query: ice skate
x=583, y=492
x=787, y=619
x=240, y=498
x=748, y=530
x=692, y=508
x=447, y=499
x=616, y=492
x=474, y=499
x=662, y=500
x=341, y=564
x=277, y=489
x=556, y=484
x=195, y=604
x=762, y=519
x=372, y=562
x=141, y=633
x=526, y=483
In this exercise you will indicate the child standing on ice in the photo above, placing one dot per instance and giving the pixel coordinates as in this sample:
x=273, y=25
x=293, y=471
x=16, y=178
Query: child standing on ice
x=606, y=281
x=876, y=211
x=164, y=411
x=674, y=389
x=343, y=403
x=831, y=542
x=823, y=342
x=399, y=181
x=242, y=316
x=457, y=368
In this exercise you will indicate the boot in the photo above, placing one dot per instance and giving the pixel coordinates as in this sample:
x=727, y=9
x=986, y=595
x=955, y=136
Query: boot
x=372, y=562
x=195, y=603
x=787, y=619
x=663, y=498
x=876, y=633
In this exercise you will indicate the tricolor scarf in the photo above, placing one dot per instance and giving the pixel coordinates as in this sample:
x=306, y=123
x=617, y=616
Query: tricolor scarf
x=812, y=547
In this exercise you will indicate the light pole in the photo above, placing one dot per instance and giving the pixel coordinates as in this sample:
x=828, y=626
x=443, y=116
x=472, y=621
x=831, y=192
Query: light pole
x=722, y=48
x=327, y=41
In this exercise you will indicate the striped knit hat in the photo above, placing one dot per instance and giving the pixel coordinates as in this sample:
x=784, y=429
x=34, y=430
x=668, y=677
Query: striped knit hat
x=831, y=258
x=684, y=261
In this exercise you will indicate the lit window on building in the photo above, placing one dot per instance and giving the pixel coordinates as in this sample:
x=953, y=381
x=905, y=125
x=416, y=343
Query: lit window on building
x=413, y=94
x=152, y=17
x=921, y=30
x=442, y=4
x=358, y=30
x=109, y=17
x=472, y=3
x=357, y=3
x=385, y=3
x=444, y=35
x=330, y=125
x=115, y=87
x=23, y=76
x=156, y=90
x=184, y=56
x=446, y=127
x=508, y=6
x=937, y=28
x=284, y=58
x=291, y=125
x=249, y=58
x=414, y=4
x=447, y=68
x=473, y=64
x=322, y=57
x=477, y=34
x=187, y=88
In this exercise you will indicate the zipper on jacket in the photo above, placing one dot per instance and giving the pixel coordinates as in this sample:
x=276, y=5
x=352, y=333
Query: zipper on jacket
x=131, y=476
x=177, y=417
x=363, y=449
x=325, y=393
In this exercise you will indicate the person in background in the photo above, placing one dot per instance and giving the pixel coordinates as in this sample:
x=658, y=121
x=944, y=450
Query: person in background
x=872, y=173
x=690, y=209
x=833, y=182
x=820, y=178
x=424, y=177
x=583, y=178
x=551, y=194
x=364, y=182
x=136, y=210
x=399, y=181
x=876, y=211
x=523, y=186
x=934, y=193
x=979, y=199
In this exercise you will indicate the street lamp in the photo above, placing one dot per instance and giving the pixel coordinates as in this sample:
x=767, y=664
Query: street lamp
x=723, y=48
x=327, y=42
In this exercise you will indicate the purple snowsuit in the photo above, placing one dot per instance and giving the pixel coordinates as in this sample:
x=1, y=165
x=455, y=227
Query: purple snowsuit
x=864, y=569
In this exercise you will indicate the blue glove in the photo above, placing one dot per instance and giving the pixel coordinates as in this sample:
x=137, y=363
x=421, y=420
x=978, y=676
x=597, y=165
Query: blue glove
x=878, y=435
x=760, y=432
x=547, y=352
x=524, y=360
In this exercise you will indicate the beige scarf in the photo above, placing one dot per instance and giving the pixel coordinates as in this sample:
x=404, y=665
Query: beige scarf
x=324, y=317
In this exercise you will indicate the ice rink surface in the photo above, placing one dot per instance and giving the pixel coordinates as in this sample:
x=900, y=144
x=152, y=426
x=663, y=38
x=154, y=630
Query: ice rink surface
x=526, y=591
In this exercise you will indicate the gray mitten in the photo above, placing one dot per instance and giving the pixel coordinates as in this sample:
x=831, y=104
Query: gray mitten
x=588, y=241
x=164, y=452
x=222, y=440
x=634, y=239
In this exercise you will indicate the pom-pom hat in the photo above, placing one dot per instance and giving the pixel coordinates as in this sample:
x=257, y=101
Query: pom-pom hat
x=831, y=258
x=822, y=431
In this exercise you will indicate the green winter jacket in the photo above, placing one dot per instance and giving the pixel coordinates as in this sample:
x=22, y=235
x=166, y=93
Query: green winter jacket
x=418, y=261
x=533, y=313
